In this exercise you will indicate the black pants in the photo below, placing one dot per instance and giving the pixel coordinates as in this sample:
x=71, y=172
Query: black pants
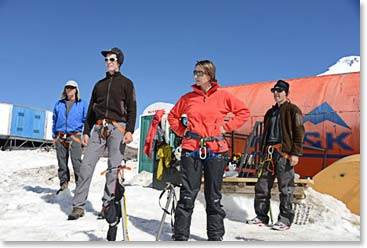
x=191, y=169
x=284, y=172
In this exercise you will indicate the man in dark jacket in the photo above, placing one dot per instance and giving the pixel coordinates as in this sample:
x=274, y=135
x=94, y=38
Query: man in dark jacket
x=112, y=112
x=67, y=125
x=282, y=147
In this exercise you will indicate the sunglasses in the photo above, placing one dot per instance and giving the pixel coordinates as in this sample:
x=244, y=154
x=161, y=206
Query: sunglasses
x=70, y=87
x=110, y=59
x=279, y=90
x=200, y=73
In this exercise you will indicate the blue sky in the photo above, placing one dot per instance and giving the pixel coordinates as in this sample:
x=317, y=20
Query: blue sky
x=45, y=43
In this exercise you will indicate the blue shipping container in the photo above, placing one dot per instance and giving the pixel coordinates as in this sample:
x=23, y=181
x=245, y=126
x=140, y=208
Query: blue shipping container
x=28, y=123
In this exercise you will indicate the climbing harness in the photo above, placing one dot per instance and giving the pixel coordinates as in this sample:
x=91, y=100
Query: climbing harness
x=67, y=139
x=104, y=132
x=203, y=152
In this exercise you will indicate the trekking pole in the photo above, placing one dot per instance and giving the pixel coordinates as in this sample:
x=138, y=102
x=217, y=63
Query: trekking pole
x=125, y=233
x=170, y=197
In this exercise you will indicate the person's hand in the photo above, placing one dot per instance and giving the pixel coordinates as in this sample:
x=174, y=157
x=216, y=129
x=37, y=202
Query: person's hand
x=85, y=140
x=54, y=141
x=128, y=138
x=294, y=160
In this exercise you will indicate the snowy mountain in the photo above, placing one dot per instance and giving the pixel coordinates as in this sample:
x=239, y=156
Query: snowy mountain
x=344, y=65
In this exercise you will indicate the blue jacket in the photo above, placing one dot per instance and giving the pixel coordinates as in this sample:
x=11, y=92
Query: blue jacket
x=68, y=122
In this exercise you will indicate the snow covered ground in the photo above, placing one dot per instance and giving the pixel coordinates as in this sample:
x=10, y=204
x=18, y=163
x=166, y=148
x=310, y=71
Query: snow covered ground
x=31, y=211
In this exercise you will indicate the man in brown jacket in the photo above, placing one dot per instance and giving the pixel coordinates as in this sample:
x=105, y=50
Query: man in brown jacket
x=112, y=113
x=282, y=147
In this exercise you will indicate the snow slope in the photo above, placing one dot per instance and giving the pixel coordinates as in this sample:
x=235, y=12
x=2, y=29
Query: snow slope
x=30, y=210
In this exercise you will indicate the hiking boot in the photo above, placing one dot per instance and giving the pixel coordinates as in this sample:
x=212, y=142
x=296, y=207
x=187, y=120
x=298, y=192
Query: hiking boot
x=63, y=186
x=280, y=226
x=215, y=239
x=256, y=221
x=76, y=213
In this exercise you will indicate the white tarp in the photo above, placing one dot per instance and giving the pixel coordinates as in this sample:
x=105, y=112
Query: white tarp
x=48, y=127
x=5, y=117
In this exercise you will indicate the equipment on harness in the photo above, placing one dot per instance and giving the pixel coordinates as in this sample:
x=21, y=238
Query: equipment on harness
x=116, y=209
x=202, y=151
x=67, y=139
x=104, y=132
x=278, y=147
x=171, y=200
x=268, y=163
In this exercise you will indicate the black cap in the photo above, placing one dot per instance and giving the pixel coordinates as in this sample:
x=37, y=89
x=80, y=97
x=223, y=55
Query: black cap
x=281, y=85
x=117, y=51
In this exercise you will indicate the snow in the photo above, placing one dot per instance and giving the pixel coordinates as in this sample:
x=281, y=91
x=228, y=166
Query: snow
x=344, y=65
x=31, y=211
x=136, y=139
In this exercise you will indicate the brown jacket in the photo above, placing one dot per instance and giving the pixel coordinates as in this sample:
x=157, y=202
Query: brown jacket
x=112, y=98
x=292, y=129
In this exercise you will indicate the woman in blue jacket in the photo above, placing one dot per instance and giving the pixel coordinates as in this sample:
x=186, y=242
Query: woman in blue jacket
x=68, y=120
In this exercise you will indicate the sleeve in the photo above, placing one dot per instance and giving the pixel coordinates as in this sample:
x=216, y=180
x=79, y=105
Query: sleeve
x=91, y=116
x=85, y=111
x=298, y=131
x=131, y=107
x=54, y=120
x=174, y=117
x=241, y=112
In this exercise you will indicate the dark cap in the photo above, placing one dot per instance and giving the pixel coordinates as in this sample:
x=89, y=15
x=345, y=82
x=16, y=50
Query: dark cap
x=281, y=85
x=117, y=51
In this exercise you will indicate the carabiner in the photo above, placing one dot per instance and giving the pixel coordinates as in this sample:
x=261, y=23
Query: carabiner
x=104, y=123
x=202, y=152
x=270, y=152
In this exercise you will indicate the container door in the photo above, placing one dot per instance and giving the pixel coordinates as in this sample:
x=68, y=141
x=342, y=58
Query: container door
x=145, y=163
x=27, y=123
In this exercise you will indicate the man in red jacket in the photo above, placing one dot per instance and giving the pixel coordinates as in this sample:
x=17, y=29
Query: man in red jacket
x=204, y=147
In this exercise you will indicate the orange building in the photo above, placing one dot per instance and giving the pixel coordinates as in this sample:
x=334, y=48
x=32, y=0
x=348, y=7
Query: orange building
x=331, y=108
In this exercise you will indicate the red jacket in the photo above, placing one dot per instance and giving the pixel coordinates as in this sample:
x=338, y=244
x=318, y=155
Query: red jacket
x=148, y=146
x=206, y=113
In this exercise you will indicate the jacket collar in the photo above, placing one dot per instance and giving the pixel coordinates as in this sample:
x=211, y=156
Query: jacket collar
x=198, y=90
x=275, y=106
x=117, y=74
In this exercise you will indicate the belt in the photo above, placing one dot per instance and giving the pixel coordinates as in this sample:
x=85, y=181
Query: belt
x=192, y=135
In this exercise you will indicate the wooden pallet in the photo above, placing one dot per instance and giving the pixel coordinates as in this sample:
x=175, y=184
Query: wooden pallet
x=243, y=185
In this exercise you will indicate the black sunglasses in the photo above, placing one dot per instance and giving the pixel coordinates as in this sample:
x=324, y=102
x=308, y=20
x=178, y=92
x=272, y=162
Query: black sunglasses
x=70, y=87
x=279, y=90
